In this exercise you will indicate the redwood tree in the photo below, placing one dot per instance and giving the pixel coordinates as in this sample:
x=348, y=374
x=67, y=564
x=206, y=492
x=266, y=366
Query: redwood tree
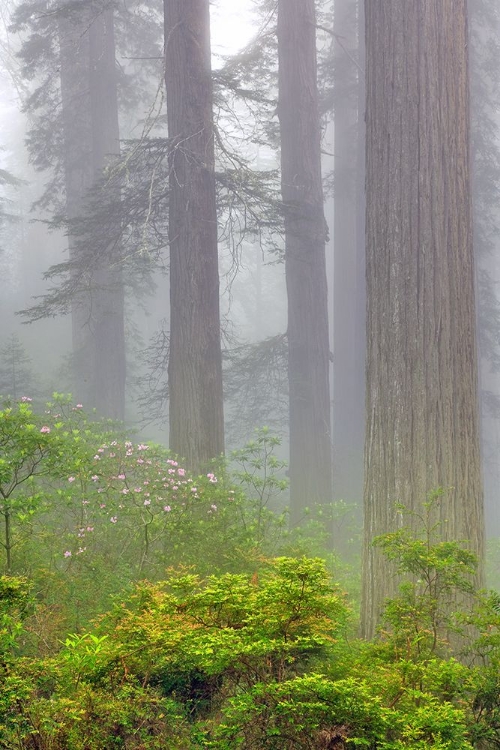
x=349, y=255
x=305, y=237
x=422, y=400
x=91, y=141
x=484, y=23
x=195, y=365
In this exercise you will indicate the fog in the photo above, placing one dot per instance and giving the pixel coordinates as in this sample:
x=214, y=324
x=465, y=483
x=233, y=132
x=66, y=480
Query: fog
x=249, y=374
x=253, y=295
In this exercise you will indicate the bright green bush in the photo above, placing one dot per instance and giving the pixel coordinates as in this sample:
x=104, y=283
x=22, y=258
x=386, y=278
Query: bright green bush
x=223, y=646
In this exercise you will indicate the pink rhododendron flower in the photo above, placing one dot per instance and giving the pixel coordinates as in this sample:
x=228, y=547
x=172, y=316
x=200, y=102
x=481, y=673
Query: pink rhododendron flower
x=71, y=479
x=45, y=429
x=113, y=519
x=167, y=508
x=67, y=553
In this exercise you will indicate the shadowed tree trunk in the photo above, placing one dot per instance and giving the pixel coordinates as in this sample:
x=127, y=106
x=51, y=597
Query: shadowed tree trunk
x=484, y=23
x=77, y=133
x=305, y=237
x=195, y=364
x=422, y=401
x=91, y=133
x=108, y=305
x=348, y=243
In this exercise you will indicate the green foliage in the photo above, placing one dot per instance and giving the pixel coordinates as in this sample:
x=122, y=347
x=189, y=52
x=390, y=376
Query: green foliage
x=243, y=661
x=38, y=451
x=90, y=718
x=33, y=448
x=261, y=474
x=15, y=602
x=177, y=649
x=105, y=511
x=439, y=578
x=224, y=646
x=320, y=713
x=16, y=373
x=237, y=626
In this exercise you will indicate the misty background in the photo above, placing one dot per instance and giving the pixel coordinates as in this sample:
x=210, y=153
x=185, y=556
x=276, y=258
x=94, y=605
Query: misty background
x=36, y=356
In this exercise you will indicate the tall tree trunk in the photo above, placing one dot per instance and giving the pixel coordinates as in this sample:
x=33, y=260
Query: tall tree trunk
x=484, y=25
x=305, y=237
x=422, y=401
x=91, y=136
x=78, y=174
x=107, y=321
x=348, y=244
x=195, y=364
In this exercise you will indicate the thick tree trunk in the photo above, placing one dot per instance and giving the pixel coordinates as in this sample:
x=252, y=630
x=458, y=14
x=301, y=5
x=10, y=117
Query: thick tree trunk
x=195, y=364
x=349, y=277
x=422, y=401
x=78, y=173
x=107, y=321
x=91, y=137
x=305, y=233
x=485, y=89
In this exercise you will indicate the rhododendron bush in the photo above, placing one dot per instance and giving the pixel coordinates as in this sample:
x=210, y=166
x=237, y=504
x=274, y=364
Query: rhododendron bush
x=135, y=501
x=86, y=510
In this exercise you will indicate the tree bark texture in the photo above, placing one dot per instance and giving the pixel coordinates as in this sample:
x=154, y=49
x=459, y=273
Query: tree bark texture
x=91, y=140
x=422, y=400
x=195, y=364
x=349, y=249
x=305, y=237
x=484, y=24
x=107, y=314
x=78, y=174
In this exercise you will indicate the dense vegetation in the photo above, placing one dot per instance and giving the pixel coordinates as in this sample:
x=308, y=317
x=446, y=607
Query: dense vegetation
x=146, y=608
